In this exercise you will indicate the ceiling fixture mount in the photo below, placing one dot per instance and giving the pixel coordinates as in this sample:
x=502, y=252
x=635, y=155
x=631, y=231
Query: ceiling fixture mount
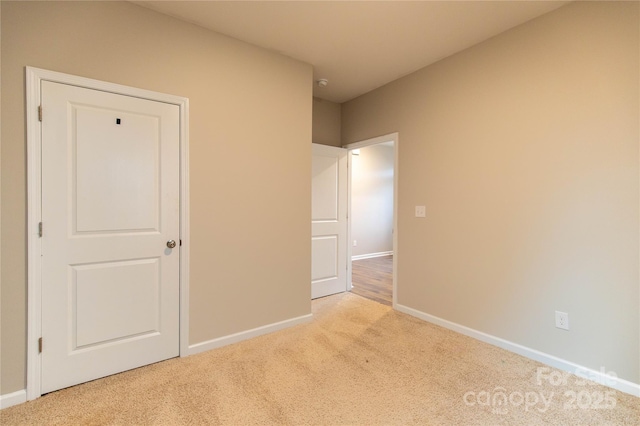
x=322, y=82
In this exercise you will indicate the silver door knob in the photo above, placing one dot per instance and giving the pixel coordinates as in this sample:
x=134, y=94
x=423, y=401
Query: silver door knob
x=171, y=244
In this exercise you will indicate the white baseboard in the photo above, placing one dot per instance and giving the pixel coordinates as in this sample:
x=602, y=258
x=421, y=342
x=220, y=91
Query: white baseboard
x=371, y=255
x=11, y=399
x=244, y=335
x=20, y=397
x=550, y=360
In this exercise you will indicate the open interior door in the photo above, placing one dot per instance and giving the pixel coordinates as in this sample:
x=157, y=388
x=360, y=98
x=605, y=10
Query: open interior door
x=328, y=221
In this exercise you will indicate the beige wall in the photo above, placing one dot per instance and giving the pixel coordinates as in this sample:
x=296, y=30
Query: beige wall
x=524, y=150
x=372, y=199
x=326, y=122
x=250, y=144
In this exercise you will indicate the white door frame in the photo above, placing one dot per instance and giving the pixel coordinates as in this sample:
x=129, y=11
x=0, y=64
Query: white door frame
x=391, y=137
x=34, y=77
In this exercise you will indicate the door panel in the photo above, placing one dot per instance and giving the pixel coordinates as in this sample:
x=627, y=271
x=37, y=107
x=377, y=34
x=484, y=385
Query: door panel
x=108, y=196
x=110, y=203
x=324, y=203
x=328, y=221
x=131, y=288
x=325, y=257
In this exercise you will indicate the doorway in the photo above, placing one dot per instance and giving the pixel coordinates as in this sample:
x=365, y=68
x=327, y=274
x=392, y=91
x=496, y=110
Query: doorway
x=108, y=229
x=372, y=238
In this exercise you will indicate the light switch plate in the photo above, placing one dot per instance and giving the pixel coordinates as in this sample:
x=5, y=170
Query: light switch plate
x=421, y=211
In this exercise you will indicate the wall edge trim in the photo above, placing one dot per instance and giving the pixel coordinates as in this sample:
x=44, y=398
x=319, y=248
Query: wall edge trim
x=13, y=398
x=371, y=255
x=552, y=361
x=247, y=334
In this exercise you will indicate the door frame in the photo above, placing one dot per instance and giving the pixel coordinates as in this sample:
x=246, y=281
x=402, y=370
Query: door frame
x=34, y=77
x=391, y=137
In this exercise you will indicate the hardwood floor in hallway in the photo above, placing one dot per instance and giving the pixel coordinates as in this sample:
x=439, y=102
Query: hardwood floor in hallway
x=373, y=279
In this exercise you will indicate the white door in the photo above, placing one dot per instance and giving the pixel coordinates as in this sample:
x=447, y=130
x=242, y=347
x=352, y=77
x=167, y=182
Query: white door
x=328, y=221
x=110, y=204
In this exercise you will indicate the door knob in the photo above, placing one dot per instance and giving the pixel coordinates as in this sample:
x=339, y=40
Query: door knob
x=171, y=244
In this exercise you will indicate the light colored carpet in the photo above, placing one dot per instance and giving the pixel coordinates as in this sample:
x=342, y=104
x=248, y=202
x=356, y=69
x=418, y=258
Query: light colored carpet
x=357, y=363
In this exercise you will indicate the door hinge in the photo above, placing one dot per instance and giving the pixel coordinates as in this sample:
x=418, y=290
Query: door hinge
x=40, y=345
x=39, y=112
x=40, y=229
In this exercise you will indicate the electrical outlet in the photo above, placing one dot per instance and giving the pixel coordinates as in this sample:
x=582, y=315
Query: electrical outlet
x=420, y=211
x=355, y=243
x=562, y=320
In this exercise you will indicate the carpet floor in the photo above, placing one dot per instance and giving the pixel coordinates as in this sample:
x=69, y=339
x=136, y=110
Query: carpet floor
x=357, y=363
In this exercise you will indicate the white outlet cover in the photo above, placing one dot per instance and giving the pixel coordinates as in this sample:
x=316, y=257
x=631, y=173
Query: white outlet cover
x=421, y=211
x=562, y=320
